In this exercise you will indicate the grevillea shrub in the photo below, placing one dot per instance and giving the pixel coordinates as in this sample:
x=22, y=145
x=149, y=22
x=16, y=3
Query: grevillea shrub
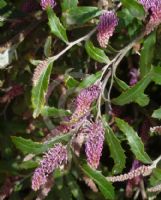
x=80, y=99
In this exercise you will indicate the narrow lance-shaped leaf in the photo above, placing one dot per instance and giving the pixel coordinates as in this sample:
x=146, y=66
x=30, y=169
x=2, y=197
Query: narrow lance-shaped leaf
x=96, y=53
x=47, y=46
x=121, y=84
x=55, y=25
x=68, y=4
x=89, y=80
x=39, y=91
x=80, y=15
x=135, y=93
x=29, y=146
x=156, y=75
x=157, y=113
x=134, y=8
x=134, y=141
x=105, y=187
x=147, y=54
x=54, y=112
x=116, y=151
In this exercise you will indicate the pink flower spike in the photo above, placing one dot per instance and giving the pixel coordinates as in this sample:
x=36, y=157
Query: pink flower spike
x=106, y=27
x=53, y=159
x=94, y=143
x=47, y=3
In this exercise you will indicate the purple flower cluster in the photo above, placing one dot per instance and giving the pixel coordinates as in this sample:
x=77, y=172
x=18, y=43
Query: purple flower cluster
x=154, y=8
x=108, y=22
x=134, y=75
x=47, y=3
x=94, y=143
x=52, y=160
x=83, y=102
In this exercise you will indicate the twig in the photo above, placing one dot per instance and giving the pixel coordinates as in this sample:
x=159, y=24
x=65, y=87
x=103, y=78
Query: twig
x=70, y=45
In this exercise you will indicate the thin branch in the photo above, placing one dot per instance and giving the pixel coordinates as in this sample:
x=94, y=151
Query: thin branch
x=71, y=44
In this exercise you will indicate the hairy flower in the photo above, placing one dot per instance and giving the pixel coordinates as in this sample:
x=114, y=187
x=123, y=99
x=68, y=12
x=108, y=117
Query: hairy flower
x=47, y=3
x=108, y=22
x=94, y=143
x=154, y=9
x=143, y=170
x=83, y=102
x=156, y=188
x=38, y=71
x=52, y=160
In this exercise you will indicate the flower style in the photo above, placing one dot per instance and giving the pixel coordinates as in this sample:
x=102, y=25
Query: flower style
x=47, y=3
x=106, y=27
x=52, y=160
x=154, y=9
x=94, y=143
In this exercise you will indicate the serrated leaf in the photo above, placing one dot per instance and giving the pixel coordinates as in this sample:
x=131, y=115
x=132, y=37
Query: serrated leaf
x=134, y=141
x=29, y=146
x=157, y=113
x=54, y=112
x=156, y=75
x=89, y=80
x=39, y=91
x=147, y=54
x=80, y=15
x=55, y=25
x=47, y=46
x=135, y=8
x=96, y=53
x=117, y=154
x=105, y=187
x=135, y=93
x=68, y=4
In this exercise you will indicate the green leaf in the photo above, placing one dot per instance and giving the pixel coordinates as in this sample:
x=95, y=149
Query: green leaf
x=135, y=8
x=157, y=113
x=47, y=47
x=68, y=4
x=39, y=91
x=155, y=177
x=147, y=54
x=96, y=53
x=54, y=112
x=105, y=187
x=117, y=154
x=89, y=80
x=70, y=82
x=156, y=77
x=135, y=93
x=2, y=4
x=122, y=85
x=29, y=146
x=80, y=15
x=30, y=164
x=134, y=141
x=55, y=25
